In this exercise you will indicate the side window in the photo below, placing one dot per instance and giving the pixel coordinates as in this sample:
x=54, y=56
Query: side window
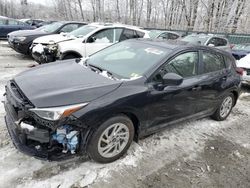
x=13, y=22
x=221, y=42
x=104, y=36
x=184, y=65
x=172, y=36
x=212, y=41
x=68, y=28
x=118, y=33
x=140, y=34
x=163, y=36
x=2, y=21
x=128, y=34
x=212, y=62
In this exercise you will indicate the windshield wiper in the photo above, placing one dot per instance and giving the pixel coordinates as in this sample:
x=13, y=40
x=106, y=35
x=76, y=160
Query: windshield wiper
x=101, y=71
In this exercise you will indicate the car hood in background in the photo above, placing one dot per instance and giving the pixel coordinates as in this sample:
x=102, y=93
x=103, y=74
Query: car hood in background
x=53, y=39
x=63, y=83
x=24, y=33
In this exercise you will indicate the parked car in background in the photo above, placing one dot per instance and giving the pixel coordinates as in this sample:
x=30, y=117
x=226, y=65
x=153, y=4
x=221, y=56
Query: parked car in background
x=164, y=35
x=46, y=23
x=244, y=64
x=240, y=50
x=33, y=22
x=8, y=25
x=21, y=41
x=124, y=92
x=83, y=41
x=208, y=40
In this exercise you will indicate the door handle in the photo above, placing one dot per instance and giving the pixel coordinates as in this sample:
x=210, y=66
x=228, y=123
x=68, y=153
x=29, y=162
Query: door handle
x=196, y=88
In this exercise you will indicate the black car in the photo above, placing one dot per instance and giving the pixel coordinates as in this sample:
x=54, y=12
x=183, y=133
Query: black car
x=8, y=25
x=240, y=50
x=132, y=89
x=21, y=41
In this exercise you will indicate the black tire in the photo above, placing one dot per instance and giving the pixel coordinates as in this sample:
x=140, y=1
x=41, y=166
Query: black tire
x=70, y=56
x=217, y=115
x=92, y=146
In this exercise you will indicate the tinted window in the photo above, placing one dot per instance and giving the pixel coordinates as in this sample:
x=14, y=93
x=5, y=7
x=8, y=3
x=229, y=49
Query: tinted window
x=68, y=28
x=130, y=34
x=172, y=36
x=212, y=62
x=217, y=41
x=140, y=34
x=118, y=33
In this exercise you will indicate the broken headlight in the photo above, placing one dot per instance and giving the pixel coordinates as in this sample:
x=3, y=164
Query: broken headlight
x=56, y=113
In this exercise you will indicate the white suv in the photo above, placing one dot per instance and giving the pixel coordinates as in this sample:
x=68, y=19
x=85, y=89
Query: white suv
x=83, y=41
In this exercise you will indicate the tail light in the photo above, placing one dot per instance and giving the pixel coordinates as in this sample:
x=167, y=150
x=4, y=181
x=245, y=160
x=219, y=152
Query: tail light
x=240, y=71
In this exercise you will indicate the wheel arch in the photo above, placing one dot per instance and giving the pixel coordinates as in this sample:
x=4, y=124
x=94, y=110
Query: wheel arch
x=71, y=52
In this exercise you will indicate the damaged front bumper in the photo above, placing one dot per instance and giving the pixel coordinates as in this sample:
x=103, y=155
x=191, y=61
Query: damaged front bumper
x=39, y=139
x=44, y=54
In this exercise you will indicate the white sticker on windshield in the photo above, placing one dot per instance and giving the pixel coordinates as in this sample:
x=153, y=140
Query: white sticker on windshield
x=154, y=51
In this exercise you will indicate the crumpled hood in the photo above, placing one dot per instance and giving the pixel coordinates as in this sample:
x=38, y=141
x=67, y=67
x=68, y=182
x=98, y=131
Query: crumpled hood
x=52, y=39
x=24, y=33
x=244, y=62
x=63, y=83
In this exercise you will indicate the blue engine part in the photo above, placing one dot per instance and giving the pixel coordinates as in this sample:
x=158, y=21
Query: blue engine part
x=66, y=136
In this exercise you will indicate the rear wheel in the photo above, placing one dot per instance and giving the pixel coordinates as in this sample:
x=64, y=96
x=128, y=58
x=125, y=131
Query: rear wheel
x=225, y=108
x=111, y=140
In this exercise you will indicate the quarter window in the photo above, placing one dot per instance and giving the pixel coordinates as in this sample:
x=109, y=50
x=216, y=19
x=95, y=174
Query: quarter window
x=212, y=62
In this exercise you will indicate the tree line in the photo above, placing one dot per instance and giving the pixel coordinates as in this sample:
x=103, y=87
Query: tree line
x=229, y=16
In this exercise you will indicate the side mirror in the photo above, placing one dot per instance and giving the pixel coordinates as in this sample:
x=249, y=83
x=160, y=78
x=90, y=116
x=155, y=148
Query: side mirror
x=172, y=79
x=211, y=45
x=91, y=39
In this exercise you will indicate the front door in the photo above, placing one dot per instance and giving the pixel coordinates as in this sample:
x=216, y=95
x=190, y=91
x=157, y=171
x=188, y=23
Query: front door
x=102, y=39
x=174, y=102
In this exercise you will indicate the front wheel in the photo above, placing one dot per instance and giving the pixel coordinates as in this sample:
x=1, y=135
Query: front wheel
x=225, y=108
x=111, y=140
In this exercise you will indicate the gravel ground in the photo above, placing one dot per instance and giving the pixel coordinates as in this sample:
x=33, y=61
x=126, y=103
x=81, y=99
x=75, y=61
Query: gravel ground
x=201, y=153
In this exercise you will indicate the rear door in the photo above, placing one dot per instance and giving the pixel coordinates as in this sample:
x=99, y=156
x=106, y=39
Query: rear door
x=3, y=26
x=214, y=75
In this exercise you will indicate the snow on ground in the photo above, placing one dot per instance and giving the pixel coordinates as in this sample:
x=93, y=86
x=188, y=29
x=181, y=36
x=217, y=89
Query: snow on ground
x=145, y=162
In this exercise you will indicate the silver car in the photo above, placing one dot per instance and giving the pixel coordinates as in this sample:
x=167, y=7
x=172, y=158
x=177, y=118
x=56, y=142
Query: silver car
x=209, y=40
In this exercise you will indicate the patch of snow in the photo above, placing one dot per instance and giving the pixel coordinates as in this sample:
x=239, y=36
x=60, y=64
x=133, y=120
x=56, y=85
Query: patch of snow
x=244, y=62
x=39, y=48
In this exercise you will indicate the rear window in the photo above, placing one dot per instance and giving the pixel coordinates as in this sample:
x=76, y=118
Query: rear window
x=212, y=62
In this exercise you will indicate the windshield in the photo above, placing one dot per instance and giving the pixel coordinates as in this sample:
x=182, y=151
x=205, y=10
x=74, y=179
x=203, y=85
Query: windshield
x=128, y=59
x=245, y=47
x=82, y=31
x=195, y=39
x=50, y=28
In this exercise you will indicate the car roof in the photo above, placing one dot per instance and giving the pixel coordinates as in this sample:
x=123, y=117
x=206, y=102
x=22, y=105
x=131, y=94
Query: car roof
x=108, y=25
x=177, y=44
x=67, y=22
x=155, y=33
